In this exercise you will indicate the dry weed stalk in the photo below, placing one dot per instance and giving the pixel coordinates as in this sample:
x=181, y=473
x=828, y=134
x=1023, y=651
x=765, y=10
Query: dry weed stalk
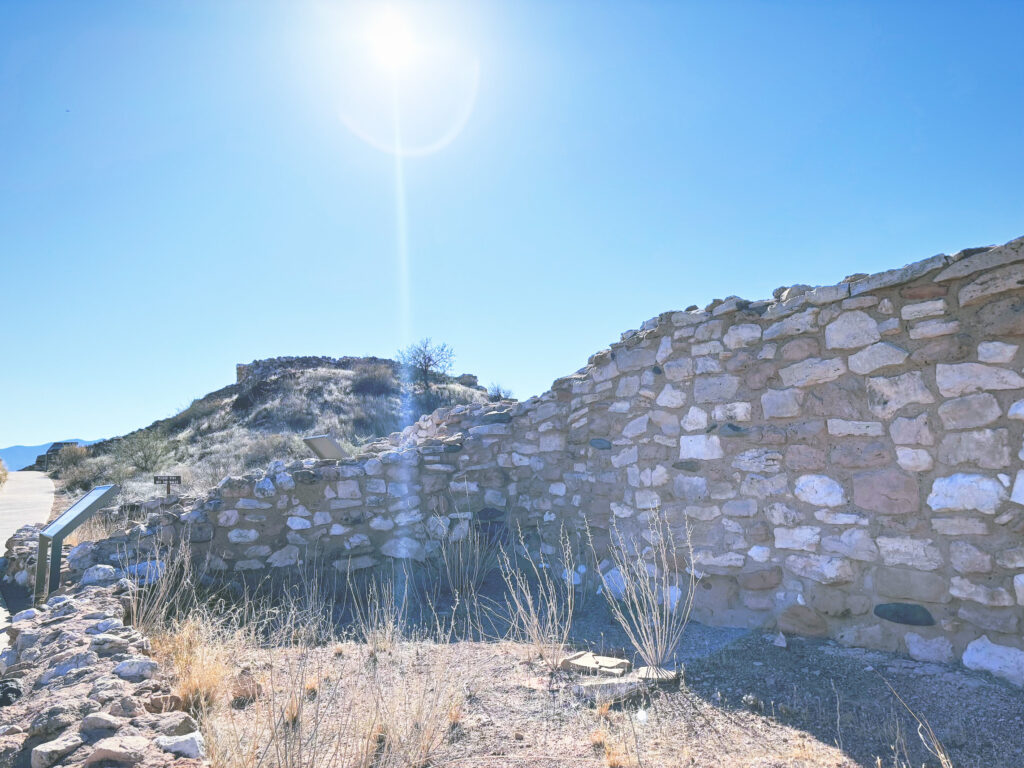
x=541, y=597
x=650, y=588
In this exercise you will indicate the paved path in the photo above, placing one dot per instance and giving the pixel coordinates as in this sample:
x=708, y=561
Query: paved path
x=26, y=497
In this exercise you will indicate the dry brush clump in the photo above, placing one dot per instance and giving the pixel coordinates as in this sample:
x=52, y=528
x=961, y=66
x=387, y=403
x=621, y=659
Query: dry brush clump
x=3, y=473
x=650, y=587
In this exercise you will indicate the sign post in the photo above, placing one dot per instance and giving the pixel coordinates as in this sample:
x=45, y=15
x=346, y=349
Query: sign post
x=169, y=480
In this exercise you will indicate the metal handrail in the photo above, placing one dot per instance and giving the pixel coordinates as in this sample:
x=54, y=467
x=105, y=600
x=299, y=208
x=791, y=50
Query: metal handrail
x=51, y=538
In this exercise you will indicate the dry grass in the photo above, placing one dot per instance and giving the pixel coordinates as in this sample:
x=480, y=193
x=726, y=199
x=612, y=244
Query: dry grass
x=3, y=473
x=651, y=593
x=541, y=595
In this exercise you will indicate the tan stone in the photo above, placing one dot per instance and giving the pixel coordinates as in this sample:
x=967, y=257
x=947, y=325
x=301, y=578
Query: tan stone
x=919, y=586
x=801, y=620
x=887, y=491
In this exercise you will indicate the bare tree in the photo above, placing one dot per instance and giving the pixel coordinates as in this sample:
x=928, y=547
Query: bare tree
x=496, y=393
x=427, y=360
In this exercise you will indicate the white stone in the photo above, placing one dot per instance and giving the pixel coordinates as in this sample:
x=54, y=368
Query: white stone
x=887, y=395
x=911, y=431
x=244, y=535
x=647, y=499
x=731, y=412
x=965, y=589
x=781, y=403
x=700, y=447
x=99, y=574
x=381, y=523
x=1008, y=278
x=923, y=309
x=190, y=745
x=855, y=543
x=1017, y=496
x=299, y=523
x=931, y=329
x=802, y=322
x=819, y=490
x=844, y=428
x=996, y=352
x=671, y=397
x=696, y=419
x=839, y=518
x=636, y=427
x=850, y=330
x=913, y=459
x=284, y=557
x=136, y=669
x=959, y=526
x=1018, y=588
x=806, y=373
x=877, y=356
x=999, y=660
x=913, y=553
x=742, y=335
x=964, y=491
x=966, y=378
x=679, y=369
x=664, y=350
x=348, y=489
x=715, y=389
x=758, y=460
x=759, y=553
x=402, y=547
x=821, y=568
x=557, y=489
x=937, y=650
x=227, y=517
x=621, y=510
x=805, y=537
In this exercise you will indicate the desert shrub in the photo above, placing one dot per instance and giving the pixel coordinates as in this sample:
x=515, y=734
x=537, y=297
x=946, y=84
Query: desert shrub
x=3, y=473
x=650, y=588
x=540, y=595
x=86, y=474
x=376, y=380
x=71, y=456
x=262, y=449
x=375, y=416
x=146, y=450
x=496, y=393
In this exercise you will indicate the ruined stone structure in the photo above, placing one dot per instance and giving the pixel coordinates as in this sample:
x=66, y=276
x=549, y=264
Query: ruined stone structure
x=848, y=460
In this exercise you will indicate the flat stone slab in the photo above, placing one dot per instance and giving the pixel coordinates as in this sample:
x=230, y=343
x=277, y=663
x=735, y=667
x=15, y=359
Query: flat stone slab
x=589, y=663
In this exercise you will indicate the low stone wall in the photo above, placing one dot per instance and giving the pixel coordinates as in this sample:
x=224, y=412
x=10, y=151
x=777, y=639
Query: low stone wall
x=77, y=687
x=846, y=458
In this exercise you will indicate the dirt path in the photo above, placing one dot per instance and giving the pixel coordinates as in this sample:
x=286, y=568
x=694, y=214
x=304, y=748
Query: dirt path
x=26, y=497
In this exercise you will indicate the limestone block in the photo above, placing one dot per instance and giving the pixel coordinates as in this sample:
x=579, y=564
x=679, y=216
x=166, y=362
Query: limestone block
x=964, y=491
x=967, y=378
x=731, y=412
x=1011, y=558
x=887, y=395
x=913, y=459
x=805, y=457
x=284, y=557
x=781, y=403
x=781, y=514
x=959, y=526
x=813, y=371
x=913, y=553
x=742, y=335
x=740, y=508
x=802, y=322
x=801, y=620
x=877, y=356
x=634, y=359
x=823, y=569
x=905, y=584
x=348, y=489
x=931, y=329
x=839, y=518
x=996, y=352
x=671, y=397
x=805, y=537
x=664, y=350
x=694, y=420
x=1002, y=620
x=636, y=427
x=403, y=547
x=761, y=486
x=1008, y=278
x=999, y=660
x=1018, y=588
x=937, y=650
x=679, y=369
x=851, y=330
x=923, y=309
x=969, y=411
x=243, y=535
x=715, y=389
x=987, y=448
x=690, y=488
x=299, y=523
x=625, y=457
x=855, y=543
x=227, y=517
x=700, y=447
x=766, y=460
x=799, y=349
x=979, y=593
x=845, y=428
x=983, y=259
x=820, y=490
x=913, y=431
x=647, y=499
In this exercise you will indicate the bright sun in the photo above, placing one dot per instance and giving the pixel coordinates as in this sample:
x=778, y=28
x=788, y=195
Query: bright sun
x=391, y=40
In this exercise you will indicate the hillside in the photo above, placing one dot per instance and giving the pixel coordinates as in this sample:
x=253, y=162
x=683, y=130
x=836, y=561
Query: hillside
x=263, y=416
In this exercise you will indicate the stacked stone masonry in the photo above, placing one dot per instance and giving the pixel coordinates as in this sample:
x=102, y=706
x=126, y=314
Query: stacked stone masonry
x=848, y=460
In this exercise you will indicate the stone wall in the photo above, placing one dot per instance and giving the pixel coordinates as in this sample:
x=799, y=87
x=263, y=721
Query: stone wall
x=848, y=460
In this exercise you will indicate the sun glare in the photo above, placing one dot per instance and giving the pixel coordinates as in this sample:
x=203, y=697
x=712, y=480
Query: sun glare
x=391, y=40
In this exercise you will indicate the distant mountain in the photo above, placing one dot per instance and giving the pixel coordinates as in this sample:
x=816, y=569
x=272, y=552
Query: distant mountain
x=20, y=456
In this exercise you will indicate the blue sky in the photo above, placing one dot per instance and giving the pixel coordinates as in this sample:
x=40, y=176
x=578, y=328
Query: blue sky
x=181, y=187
